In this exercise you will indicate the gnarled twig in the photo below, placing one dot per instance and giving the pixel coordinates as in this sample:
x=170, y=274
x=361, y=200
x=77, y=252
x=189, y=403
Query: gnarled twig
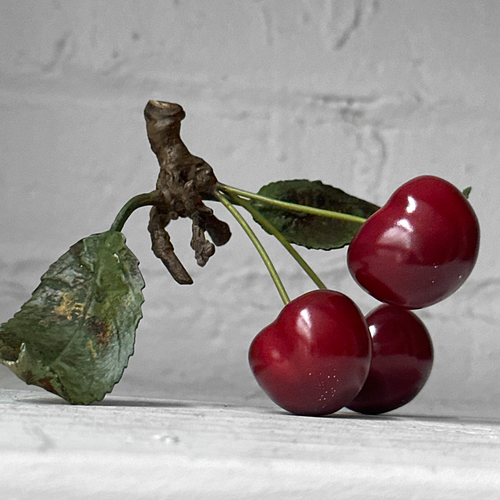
x=184, y=182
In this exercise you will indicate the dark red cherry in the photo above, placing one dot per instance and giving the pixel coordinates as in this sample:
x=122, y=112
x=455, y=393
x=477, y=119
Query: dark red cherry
x=402, y=357
x=419, y=248
x=314, y=358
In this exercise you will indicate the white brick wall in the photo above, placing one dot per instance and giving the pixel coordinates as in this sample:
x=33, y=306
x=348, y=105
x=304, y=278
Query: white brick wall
x=362, y=94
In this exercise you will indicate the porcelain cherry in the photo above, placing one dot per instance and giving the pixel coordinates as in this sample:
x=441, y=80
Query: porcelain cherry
x=419, y=248
x=314, y=358
x=402, y=358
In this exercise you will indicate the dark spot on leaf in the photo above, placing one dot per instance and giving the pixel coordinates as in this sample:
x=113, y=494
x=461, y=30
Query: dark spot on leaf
x=320, y=201
x=76, y=249
x=101, y=331
x=44, y=382
x=9, y=353
x=292, y=197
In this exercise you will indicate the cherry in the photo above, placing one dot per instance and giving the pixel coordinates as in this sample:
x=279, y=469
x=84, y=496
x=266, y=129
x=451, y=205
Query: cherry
x=419, y=248
x=314, y=358
x=402, y=357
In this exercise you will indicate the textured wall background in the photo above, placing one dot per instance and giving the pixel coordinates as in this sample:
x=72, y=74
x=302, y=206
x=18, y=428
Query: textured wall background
x=361, y=94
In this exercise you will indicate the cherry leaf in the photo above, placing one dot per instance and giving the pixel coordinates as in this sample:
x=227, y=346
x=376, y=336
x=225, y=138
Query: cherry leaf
x=75, y=335
x=313, y=231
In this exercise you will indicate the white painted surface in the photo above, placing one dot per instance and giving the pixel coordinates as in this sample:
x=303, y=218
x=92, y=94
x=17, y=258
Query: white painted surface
x=156, y=449
x=362, y=94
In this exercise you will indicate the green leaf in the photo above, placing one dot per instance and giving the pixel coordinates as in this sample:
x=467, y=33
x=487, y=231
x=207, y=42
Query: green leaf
x=75, y=334
x=466, y=191
x=313, y=231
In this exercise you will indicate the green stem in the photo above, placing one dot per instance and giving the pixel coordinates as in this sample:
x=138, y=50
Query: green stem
x=258, y=245
x=140, y=200
x=272, y=230
x=291, y=206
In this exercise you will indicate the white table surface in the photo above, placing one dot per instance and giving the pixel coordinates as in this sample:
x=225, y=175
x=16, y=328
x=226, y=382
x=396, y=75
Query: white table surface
x=127, y=448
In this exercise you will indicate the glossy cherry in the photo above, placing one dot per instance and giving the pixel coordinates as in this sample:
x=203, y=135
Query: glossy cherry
x=402, y=357
x=419, y=248
x=314, y=358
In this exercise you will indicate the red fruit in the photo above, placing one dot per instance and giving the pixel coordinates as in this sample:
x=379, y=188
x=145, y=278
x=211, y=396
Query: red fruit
x=314, y=358
x=402, y=357
x=419, y=248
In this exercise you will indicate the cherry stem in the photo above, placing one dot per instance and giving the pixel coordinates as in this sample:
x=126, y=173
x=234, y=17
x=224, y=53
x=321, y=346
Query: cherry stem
x=272, y=230
x=258, y=245
x=140, y=200
x=291, y=206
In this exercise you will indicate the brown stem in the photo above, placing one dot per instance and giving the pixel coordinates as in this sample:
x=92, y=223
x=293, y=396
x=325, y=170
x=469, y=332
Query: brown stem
x=184, y=182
